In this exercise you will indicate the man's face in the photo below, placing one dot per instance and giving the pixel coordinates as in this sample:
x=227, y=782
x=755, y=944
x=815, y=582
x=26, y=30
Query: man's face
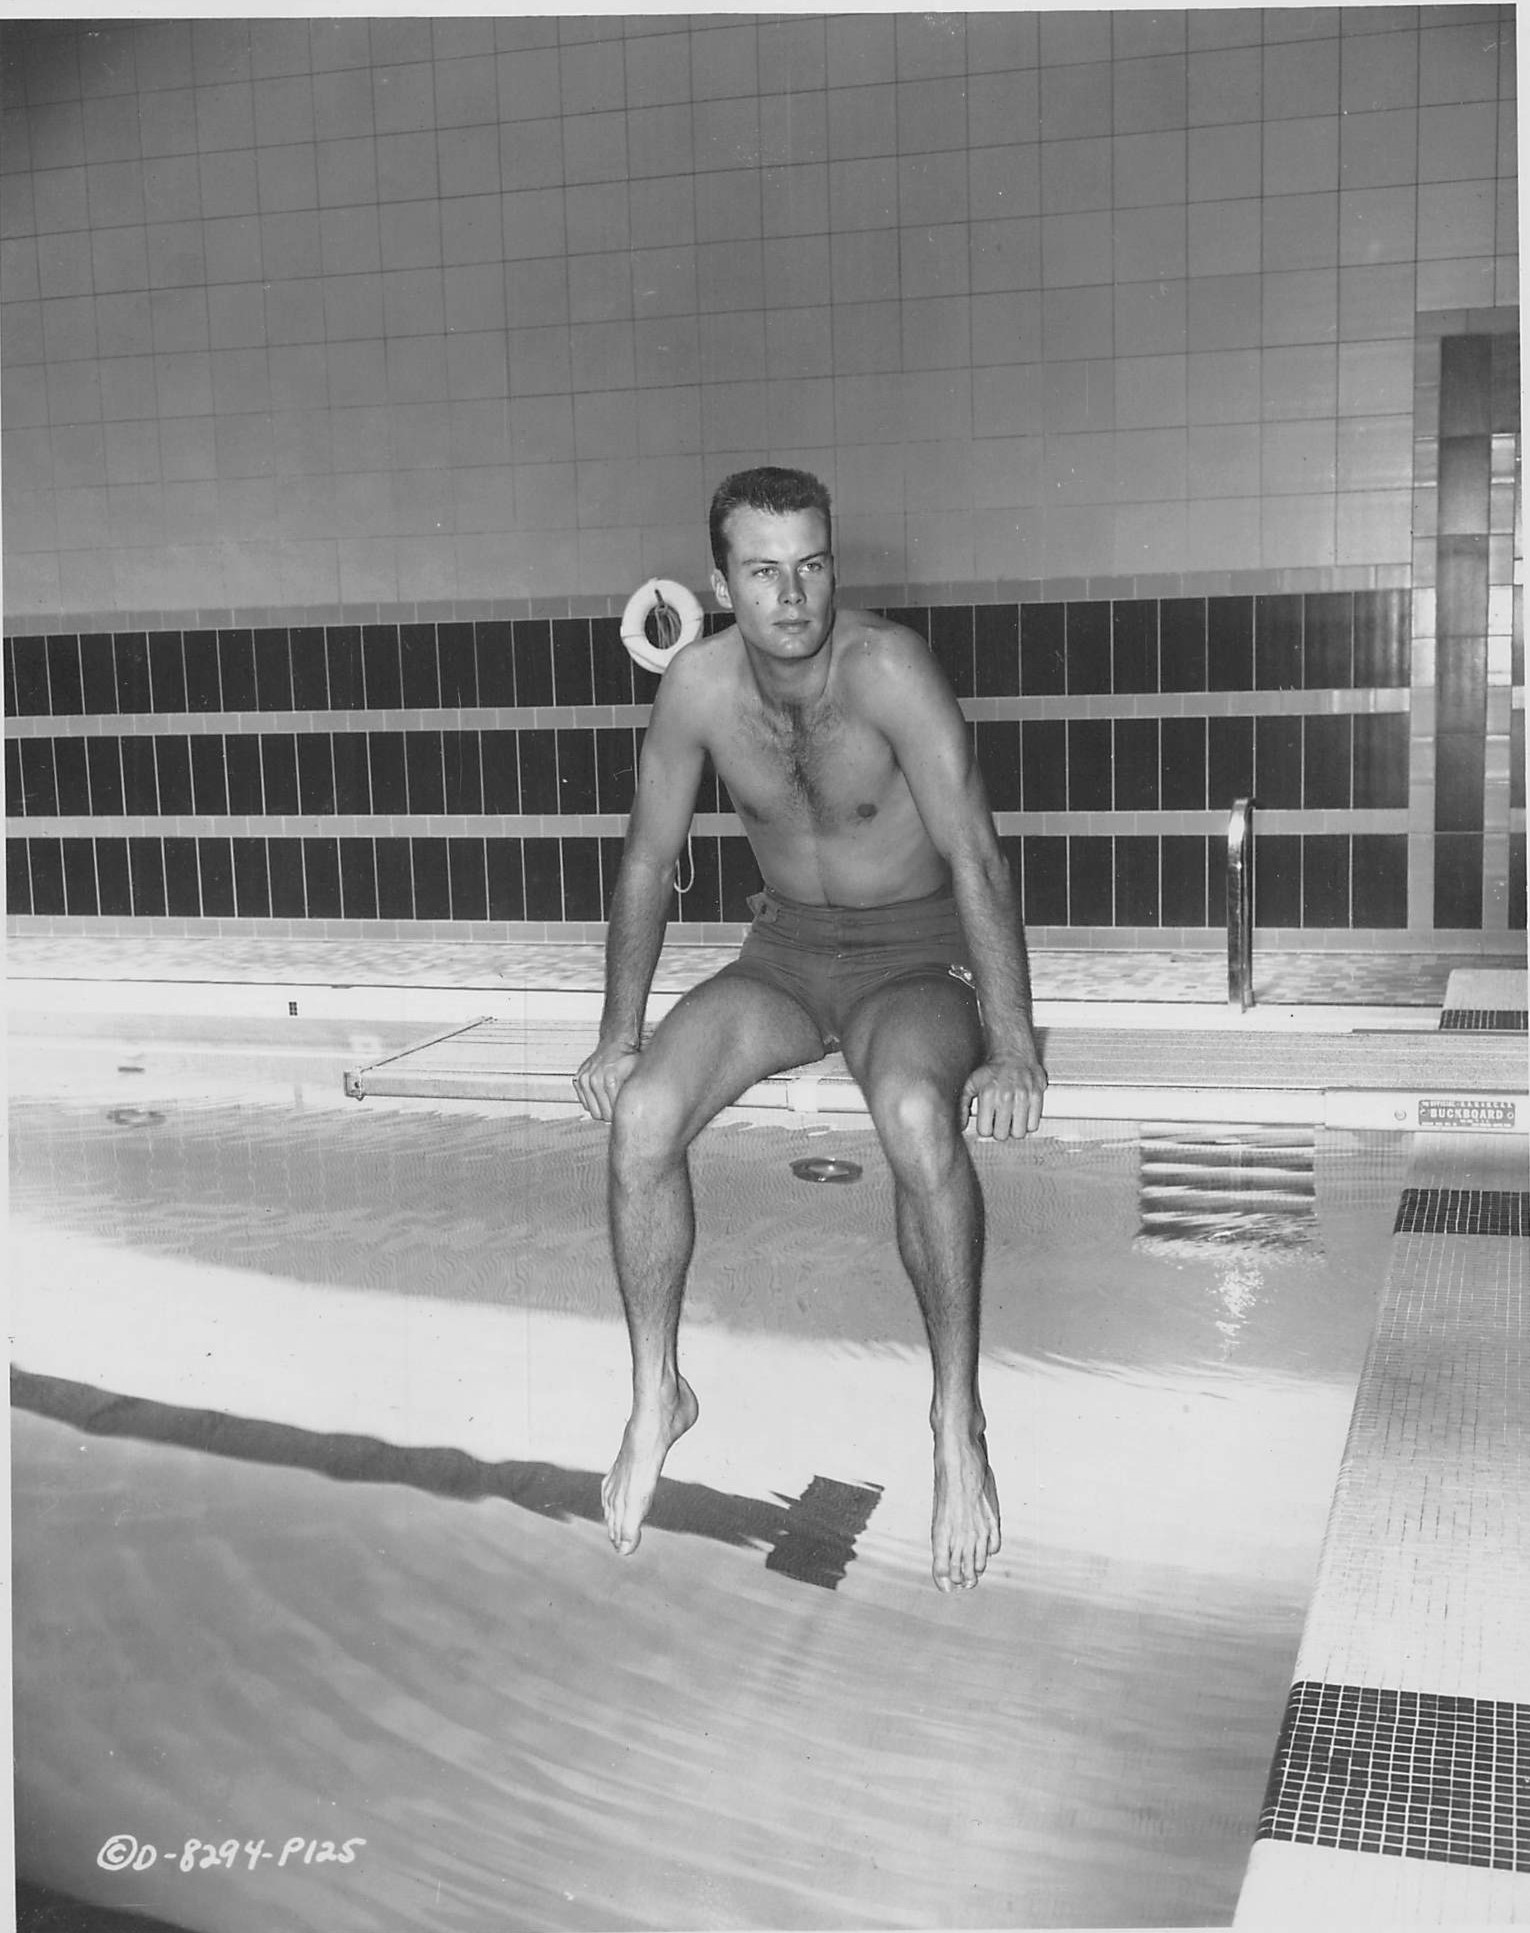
x=780, y=580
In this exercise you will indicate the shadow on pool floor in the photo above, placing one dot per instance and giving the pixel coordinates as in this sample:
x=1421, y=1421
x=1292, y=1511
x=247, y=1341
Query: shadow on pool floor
x=810, y=1538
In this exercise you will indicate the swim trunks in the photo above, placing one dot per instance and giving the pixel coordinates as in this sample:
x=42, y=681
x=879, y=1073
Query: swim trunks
x=828, y=958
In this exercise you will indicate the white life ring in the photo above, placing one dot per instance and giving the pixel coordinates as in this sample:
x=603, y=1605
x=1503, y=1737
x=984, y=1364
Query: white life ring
x=680, y=618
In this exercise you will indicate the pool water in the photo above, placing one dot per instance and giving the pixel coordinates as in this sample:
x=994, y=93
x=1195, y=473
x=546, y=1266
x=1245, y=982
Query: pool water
x=312, y=1407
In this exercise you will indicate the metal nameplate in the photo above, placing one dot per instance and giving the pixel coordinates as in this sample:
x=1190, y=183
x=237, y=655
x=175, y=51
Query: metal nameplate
x=1466, y=1113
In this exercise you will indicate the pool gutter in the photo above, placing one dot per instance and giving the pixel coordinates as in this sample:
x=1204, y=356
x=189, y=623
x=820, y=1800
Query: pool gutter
x=1399, y=1793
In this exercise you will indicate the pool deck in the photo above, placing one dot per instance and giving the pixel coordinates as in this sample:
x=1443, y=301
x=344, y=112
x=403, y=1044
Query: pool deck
x=1195, y=977
x=1399, y=1792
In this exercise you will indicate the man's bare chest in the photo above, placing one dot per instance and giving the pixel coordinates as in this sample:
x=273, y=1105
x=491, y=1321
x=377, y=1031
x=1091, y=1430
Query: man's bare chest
x=795, y=767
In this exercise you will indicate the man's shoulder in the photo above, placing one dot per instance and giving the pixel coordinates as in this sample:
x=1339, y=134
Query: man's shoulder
x=865, y=640
x=700, y=667
x=713, y=655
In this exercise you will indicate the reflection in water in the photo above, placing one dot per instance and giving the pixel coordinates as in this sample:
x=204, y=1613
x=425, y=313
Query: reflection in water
x=1239, y=1285
x=1239, y=1197
x=446, y=1659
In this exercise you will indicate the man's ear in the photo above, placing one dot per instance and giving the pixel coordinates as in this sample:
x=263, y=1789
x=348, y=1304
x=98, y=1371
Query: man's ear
x=720, y=590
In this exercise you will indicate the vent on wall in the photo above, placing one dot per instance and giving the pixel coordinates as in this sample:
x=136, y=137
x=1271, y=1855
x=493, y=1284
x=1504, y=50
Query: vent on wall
x=1230, y=1187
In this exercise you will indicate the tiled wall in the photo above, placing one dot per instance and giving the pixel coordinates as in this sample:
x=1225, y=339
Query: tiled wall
x=482, y=773
x=307, y=316
x=354, y=371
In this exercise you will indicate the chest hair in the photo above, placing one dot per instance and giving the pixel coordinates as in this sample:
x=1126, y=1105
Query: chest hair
x=800, y=742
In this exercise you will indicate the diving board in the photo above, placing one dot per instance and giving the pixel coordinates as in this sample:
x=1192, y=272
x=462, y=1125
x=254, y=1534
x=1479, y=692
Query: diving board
x=1395, y=1079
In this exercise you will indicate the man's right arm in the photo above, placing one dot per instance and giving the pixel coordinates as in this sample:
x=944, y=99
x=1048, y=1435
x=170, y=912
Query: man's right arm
x=669, y=772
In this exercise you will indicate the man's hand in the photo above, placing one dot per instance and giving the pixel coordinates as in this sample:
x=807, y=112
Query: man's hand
x=600, y=1079
x=1004, y=1096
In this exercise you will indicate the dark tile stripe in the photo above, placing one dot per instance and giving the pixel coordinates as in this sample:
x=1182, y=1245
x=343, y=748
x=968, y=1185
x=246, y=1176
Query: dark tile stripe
x=1015, y=650
x=1462, y=1211
x=1405, y=1773
x=1342, y=640
x=1491, y=1020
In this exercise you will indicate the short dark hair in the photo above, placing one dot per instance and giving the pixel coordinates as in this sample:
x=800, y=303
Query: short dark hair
x=766, y=488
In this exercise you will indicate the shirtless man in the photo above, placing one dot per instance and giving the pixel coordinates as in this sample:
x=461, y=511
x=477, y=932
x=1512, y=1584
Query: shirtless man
x=887, y=896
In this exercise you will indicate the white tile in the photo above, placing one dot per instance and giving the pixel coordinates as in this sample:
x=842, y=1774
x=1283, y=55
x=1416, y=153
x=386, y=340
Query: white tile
x=1075, y=98
x=1150, y=318
x=1076, y=174
x=1006, y=254
x=1299, y=382
x=1223, y=386
x=861, y=50
x=1078, y=322
x=1076, y=249
x=1455, y=218
x=1150, y=169
x=794, y=128
x=934, y=260
x=1150, y=391
x=1458, y=62
x=1225, y=311
x=1225, y=84
x=1297, y=532
x=1224, y=460
x=1458, y=143
x=1301, y=78
x=1148, y=93
x=1298, y=458
x=1223, y=238
x=1377, y=225
x=932, y=116
x=1151, y=244
x=1375, y=378
x=1006, y=327
x=998, y=42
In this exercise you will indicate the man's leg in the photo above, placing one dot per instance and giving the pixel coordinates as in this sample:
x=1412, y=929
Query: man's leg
x=721, y=1038
x=911, y=1048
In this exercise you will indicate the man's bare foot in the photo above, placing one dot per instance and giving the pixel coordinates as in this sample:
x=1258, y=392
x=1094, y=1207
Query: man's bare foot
x=632, y=1479
x=965, y=1530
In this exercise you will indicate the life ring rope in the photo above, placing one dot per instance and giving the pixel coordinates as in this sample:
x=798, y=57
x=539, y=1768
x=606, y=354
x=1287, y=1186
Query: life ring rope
x=678, y=616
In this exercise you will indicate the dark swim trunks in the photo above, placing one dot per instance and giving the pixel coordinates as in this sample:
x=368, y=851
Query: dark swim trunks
x=828, y=958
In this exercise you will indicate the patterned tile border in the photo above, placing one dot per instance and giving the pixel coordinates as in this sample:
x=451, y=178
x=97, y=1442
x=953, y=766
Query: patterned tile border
x=1404, y=1773
x=1407, y=1729
x=1463, y=1211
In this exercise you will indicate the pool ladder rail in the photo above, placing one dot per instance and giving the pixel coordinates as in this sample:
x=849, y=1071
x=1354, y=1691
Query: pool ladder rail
x=1240, y=905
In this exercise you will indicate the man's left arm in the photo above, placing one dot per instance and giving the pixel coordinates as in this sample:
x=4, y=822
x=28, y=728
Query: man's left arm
x=929, y=736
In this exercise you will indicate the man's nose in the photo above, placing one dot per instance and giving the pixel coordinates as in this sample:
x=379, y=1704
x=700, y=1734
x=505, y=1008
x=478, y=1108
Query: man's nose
x=791, y=588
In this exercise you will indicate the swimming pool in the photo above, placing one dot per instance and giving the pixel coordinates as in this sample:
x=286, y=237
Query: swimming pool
x=313, y=1404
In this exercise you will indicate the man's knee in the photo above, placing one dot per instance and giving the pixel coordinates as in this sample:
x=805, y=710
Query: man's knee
x=648, y=1122
x=917, y=1123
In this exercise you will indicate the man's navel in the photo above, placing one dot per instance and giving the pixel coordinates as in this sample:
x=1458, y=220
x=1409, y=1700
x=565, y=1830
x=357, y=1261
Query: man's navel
x=866, y=811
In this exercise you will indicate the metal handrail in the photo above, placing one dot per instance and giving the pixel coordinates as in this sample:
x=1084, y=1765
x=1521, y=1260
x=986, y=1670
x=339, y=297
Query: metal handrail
x=1240, y=905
